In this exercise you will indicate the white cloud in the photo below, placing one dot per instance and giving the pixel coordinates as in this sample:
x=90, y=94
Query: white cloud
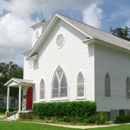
x=93, y=16
x=15, y=36
x=16, y=18
x=15, y=31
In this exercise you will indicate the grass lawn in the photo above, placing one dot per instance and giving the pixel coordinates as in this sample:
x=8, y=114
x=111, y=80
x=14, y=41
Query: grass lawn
x=2, y=114
x=16, y=125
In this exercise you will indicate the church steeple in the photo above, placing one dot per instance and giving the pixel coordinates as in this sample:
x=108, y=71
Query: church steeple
x=38, y=28
x=44, y=6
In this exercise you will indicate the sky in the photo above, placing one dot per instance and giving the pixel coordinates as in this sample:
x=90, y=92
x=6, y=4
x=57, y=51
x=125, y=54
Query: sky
x=16, y=17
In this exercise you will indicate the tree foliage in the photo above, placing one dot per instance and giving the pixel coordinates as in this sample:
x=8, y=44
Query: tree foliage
x=121, y=32
x=8, y=71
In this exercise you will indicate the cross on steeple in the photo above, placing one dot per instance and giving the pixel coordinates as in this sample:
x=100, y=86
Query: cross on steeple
x=44, y=6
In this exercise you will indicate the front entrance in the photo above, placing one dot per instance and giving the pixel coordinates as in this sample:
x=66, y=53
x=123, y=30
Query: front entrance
x=29, y=98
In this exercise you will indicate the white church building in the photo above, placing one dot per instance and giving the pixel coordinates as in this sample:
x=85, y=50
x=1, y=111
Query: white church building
x=72, y=61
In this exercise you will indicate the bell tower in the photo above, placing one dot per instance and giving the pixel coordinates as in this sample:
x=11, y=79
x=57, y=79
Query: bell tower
x=39, y=28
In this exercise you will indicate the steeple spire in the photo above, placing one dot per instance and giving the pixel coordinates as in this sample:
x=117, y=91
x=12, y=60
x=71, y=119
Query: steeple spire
x=44, y=6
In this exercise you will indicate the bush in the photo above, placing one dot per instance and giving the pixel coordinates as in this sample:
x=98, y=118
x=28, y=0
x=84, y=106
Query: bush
x=28, y=116
x=99, y=118
x=68, y=110
x=3, y=109
x=122, y=119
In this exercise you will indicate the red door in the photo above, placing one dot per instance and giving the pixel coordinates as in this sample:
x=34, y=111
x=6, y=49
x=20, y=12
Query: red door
x=29, y=98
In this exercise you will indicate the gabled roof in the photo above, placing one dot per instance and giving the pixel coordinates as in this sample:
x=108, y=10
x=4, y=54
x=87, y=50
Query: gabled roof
x=99, y=34
x=17, y=81
x=89, y=31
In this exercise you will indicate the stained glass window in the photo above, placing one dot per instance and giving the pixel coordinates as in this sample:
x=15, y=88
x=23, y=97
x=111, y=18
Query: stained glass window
x=107, y=86
x=80, y=85
x=42, y=89
x=59, y=71
x=55, y=87
x=128, y=87
x=59, y=88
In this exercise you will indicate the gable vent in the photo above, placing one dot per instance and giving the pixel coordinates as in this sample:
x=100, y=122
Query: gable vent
x=60, y=40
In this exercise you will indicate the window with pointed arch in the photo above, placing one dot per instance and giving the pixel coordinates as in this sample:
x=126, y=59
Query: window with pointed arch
x=42, y=89
x=59, y=84
x=107, y=85
x=128, y=87
x=80, y=85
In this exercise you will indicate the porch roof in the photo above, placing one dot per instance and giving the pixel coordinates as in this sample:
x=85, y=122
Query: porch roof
x=15, y=82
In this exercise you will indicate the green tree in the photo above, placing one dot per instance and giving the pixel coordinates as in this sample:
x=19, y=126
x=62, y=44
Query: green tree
x=121, y=32
x=8, y=71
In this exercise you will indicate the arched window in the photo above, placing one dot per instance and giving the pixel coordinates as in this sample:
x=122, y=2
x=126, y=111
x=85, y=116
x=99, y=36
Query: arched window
x=107, y=85
x=128, y=87
x=42, y=89
x=80, y=85
x=59, y=88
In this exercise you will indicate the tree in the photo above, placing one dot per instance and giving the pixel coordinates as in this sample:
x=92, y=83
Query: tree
x=121, y=32
x=8, y=71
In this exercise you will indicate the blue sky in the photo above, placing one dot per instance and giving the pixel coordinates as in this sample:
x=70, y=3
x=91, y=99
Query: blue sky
x=16, y=17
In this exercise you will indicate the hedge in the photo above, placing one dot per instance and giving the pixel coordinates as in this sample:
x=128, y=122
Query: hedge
x=3, y=109
x=82, y=109
x=123, y=119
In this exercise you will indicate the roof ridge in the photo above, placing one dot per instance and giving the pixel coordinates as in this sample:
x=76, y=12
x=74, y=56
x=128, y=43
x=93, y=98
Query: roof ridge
x=93, y=27
x=82, y=22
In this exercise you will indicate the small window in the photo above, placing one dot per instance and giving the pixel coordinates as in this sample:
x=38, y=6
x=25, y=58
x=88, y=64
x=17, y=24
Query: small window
x=128, y=87
x=42, y=89
x=12, y=102
x=60, y=40
x=59, y=88
x=1, y=102
x=80, y=85
x=107, y=86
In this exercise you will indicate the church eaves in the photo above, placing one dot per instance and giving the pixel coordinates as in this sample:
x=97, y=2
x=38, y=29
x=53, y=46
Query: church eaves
x=89, y=31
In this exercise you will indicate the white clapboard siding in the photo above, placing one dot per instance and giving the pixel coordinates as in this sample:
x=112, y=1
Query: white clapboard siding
x=117, y=65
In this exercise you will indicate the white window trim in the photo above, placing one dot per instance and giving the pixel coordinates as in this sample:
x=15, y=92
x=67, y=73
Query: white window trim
x=55, y=74
x=63, y=41
x=40, y=90
x=83, y=97
x=60, y=99
x=42, y=100
x=105, y=86
x=128, y=98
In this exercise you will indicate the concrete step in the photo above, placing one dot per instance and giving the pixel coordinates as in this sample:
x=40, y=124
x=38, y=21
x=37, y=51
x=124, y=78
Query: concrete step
x=13, y=117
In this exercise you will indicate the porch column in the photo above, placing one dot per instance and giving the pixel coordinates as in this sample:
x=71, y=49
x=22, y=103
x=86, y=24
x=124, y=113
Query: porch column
x=8, y=91
x=20, y=87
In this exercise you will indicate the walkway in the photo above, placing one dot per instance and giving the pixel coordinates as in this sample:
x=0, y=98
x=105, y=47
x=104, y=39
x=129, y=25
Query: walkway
x=84, y=127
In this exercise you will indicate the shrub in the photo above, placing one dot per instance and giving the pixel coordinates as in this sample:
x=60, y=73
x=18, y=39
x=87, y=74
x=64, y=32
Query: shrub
x=99, y=118
x=68, y=110
x=2, y=109
x=12, y=109
x=122, y=119
x=28, y=116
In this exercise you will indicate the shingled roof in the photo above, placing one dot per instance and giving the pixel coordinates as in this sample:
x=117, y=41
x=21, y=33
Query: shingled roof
x=89, y=31
x=98, y=34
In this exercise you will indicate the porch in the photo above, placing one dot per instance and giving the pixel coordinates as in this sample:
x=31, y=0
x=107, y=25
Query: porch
x=25, y=104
